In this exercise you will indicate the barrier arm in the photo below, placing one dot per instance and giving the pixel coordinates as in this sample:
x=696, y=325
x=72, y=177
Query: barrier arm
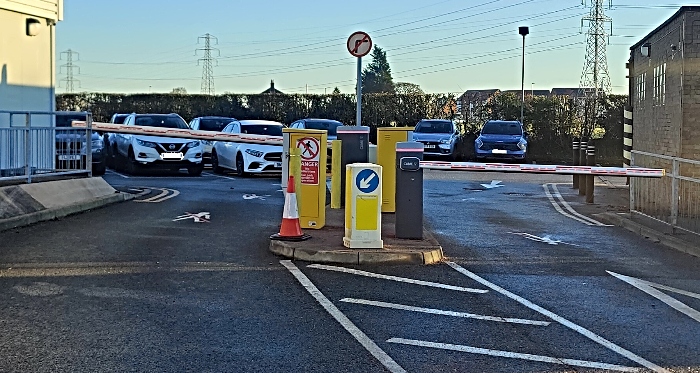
x=544, y=169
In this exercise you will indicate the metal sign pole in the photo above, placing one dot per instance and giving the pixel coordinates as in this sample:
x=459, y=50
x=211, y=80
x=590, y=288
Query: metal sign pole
x=358, y=119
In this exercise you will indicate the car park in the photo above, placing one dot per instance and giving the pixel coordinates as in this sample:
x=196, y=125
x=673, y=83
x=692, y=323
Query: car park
x=500, y=139
x=135, y=152
x=209, y=123
x=245, y=158
x=71, y=145
x=438, y=136
x=319, y=124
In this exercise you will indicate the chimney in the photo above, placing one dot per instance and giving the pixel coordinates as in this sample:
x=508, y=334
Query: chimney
x=272, y=85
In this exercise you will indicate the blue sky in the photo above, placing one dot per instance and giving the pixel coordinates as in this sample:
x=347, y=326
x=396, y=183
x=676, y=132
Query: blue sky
x=442, y=45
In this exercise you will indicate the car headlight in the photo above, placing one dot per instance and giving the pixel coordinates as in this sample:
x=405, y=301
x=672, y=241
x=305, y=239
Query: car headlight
x=192, y=144
x=478, y=143
x=254, y=153
x=147, y=144
x=522, y=145
x=98, y=144
x=446, y=141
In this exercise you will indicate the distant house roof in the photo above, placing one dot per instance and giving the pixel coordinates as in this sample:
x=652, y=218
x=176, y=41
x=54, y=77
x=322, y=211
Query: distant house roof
x=272, y=90
x=680, y=11
x=571, y=92
x=477, y=95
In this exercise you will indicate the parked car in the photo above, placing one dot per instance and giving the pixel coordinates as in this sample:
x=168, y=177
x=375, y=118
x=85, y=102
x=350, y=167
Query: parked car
x=246, y=158
x=438, y=136
x=210, y=123
x=319, y=124
x=117, y=118
x=71, y=147
x=134, y=152
x=501, y=139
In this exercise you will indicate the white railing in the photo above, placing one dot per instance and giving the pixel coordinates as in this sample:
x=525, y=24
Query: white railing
x=32, y=147
x=674, y=199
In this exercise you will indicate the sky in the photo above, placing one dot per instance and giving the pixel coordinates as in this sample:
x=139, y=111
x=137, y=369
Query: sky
x=444, y=46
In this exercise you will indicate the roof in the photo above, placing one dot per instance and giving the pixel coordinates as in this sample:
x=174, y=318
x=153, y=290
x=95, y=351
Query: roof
x=478, y=94
x=252, y=122
x=272, y=89
x=680, y=11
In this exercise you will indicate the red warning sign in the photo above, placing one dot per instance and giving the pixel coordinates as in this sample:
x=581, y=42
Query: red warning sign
x=310, y=151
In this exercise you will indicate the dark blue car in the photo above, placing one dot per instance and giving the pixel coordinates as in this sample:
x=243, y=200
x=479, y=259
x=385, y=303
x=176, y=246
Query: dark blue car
x=501, y=139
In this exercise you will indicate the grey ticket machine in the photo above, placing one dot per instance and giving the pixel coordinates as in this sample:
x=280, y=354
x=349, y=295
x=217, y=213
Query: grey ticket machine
x=354, y=149
x=409, y=190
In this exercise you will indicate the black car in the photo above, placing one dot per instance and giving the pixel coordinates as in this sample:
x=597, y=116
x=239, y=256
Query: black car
x=71, y=147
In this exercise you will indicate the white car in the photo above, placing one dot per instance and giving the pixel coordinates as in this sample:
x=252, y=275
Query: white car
x=134, y=152
x=246, y=158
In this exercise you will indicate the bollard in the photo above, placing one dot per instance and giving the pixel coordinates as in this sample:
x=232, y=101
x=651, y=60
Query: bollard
x=590, y=179
x=355, y=149
x=409, y=190
x=576, y=159
x=582, y=162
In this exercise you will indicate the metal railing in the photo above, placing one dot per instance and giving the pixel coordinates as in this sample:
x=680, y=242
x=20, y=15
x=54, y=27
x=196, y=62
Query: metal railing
x=674, y=199
x=32, y=147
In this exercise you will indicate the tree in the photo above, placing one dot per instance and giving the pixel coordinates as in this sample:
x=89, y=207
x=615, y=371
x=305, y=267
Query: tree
x=376, y=77
x=408, y=89
x=336, y=91
x=179, y=91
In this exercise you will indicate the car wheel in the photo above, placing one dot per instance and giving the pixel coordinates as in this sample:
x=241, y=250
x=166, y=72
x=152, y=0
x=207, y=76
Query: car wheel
x=240, y=165
x=195, y=170
x=132, y=167
x=215, y=163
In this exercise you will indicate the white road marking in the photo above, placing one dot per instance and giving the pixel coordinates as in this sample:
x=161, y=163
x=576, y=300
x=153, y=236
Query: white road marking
x=544, y=239
x=255, y=196
x=201, y=217
x=394, y=278
x=361, y=337
x=444, y=313
x=573, y=213
x=219, y=176
x=165, y=194
x=513, y=355
x=579, y=329
x=494, y=184
x=142, y=192
x=651, y=289
x=117, y=173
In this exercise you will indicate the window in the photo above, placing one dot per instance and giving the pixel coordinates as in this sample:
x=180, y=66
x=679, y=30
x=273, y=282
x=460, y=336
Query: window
x=640, y=91
x=660, y=84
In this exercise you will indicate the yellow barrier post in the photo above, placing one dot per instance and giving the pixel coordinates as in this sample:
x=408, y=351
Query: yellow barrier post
x=311, y=147
x=336, y=176
x=363, y=200
x=387, y=138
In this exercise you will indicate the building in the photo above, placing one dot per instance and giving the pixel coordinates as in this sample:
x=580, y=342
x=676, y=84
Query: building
x=664, y=76
x=272, y=90
x=474, y=98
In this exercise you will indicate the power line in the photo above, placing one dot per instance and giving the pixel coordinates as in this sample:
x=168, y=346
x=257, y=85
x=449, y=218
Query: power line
x=207, y=63
x=69, y=67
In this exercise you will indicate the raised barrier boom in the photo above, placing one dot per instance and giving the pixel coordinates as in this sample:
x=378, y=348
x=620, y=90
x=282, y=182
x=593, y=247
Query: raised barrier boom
x=544, y=169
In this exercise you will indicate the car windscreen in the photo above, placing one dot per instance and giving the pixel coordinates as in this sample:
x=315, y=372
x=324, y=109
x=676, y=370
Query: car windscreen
x=434, y=126
x=214, y=124
x=262, y=129
x=66, y=120
x=502, y=128
x=119, y=119
x=331, y=127
x=161, y=121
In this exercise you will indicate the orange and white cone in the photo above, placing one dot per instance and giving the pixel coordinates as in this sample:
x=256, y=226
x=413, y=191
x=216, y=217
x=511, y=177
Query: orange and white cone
x=290, y=230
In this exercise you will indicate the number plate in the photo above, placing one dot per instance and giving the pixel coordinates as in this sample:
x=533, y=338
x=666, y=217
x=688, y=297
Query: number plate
x=71, y=157
x=177, y=156
x=429, y=146
x=278, y=164
x=499, y=151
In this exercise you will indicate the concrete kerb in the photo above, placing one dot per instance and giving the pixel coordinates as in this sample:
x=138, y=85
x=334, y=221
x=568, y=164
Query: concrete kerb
x=624, y=220
x=59, y=212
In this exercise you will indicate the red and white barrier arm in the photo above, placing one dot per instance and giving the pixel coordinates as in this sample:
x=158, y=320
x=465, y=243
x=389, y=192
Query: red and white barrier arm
x=183, y=133
x=544, y=169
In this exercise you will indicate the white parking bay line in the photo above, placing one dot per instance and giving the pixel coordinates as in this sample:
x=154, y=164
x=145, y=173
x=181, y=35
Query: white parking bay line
x=573, y=214
x=395, y=278
x=444, y=313
x=514, y=355
x=117, y=173
x=579, y=329
x=361, y=337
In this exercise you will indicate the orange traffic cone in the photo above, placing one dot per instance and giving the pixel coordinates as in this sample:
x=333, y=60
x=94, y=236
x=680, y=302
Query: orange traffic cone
x=290, y=230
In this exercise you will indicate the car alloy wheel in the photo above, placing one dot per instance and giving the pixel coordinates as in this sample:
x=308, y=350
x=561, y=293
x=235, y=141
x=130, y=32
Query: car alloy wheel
x=215, y=163
x=240, y=165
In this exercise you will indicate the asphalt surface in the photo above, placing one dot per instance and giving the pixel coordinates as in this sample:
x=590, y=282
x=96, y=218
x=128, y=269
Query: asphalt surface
x=129, y=287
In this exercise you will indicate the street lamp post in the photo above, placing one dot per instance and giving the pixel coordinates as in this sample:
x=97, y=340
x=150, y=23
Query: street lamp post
x=523, y=30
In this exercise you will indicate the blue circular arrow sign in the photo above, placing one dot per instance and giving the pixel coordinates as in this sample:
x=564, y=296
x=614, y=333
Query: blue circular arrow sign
x=367, y=181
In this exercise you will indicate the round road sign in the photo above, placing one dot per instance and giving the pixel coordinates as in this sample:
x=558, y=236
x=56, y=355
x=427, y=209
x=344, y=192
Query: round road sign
x=359, y=44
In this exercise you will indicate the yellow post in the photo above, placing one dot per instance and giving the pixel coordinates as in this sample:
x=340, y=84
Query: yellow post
x=387, y=137
x=310, y=148
x=336, y=177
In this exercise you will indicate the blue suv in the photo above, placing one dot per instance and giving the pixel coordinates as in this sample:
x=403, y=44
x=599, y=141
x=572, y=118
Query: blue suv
x=500, y=139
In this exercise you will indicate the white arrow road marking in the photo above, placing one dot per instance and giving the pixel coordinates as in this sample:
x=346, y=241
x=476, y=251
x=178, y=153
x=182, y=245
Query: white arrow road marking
x=513, y=355
x=255, y=196
x=201, y=217
x=651, y=289
x=544, y=239
x=394, y=278
x=444, y=313
x=364, y=183
x=579, y=329
x=361, y=337
x=573, y=214
x=494, y=184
